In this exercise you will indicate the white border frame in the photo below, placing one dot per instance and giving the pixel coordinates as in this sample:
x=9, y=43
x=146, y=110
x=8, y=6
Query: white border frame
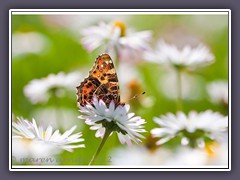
x=125, y=12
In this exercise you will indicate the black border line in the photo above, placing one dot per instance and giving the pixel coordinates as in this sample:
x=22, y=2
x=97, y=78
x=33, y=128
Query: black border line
x=115, y=169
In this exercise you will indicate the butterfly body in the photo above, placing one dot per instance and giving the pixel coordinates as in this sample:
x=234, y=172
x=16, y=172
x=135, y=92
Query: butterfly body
x=102, y=82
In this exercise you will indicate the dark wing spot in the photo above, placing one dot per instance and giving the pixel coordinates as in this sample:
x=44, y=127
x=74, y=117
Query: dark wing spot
x=112, y=80
x=95, y=81
x=114, y=88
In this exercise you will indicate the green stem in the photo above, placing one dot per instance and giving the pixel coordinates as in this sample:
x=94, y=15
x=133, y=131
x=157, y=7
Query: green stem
x=117, y=56
x=105, y=137
x=192, y=143
x=179, y=89
x=58, y=110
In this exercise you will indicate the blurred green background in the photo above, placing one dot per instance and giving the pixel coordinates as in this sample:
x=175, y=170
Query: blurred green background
x=64, y=53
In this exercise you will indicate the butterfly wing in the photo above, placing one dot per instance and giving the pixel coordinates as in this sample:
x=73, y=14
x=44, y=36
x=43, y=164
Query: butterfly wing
x=102, y=82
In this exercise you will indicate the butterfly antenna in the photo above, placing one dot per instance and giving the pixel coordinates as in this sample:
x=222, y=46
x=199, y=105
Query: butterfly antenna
x=135, y=96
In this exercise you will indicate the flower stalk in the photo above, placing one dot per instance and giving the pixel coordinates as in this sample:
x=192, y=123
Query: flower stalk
x=105, y=137
x=179, y=89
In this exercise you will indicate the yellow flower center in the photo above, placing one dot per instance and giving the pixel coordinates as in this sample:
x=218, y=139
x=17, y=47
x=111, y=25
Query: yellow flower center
x=121, y=26
x=26, y=140
x=150, y=144
x=43, y=134
x=210, y=149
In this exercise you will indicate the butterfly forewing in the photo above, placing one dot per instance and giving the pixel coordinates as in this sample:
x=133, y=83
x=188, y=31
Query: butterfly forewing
x=101, y=82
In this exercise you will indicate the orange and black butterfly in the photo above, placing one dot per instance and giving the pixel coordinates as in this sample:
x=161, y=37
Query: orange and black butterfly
x=102, y=82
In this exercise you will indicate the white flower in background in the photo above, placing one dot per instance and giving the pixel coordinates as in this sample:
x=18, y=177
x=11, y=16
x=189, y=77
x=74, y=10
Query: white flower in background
x=126, y=74
x=217, y=153
x=139, y=155
x=192, y=127
x=40, y=90
x=76, y=22
x=130, y=46
x=31, y=141
x=185, y=57
x=30, y=42
x=218, y=91
x=212, y=154
x=29, y=131
x=33, y=152
x=187, y=157
x=100, y=117
x=191, y=88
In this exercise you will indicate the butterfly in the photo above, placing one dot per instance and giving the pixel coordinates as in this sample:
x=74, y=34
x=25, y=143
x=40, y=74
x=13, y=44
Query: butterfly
x=102, y=82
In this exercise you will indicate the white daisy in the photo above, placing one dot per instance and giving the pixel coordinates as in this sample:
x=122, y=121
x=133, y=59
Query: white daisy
x=39, y=90
x=30, y=42
x=139, y=155
x=25, y=151
x=129, y=45
x=187, y=157
x=193, y=128
x=24, y=130
x=214, y=154
x=100, y=117
x=163, y=157
x=186, y=57
x=218, y=91
x=217, y=153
